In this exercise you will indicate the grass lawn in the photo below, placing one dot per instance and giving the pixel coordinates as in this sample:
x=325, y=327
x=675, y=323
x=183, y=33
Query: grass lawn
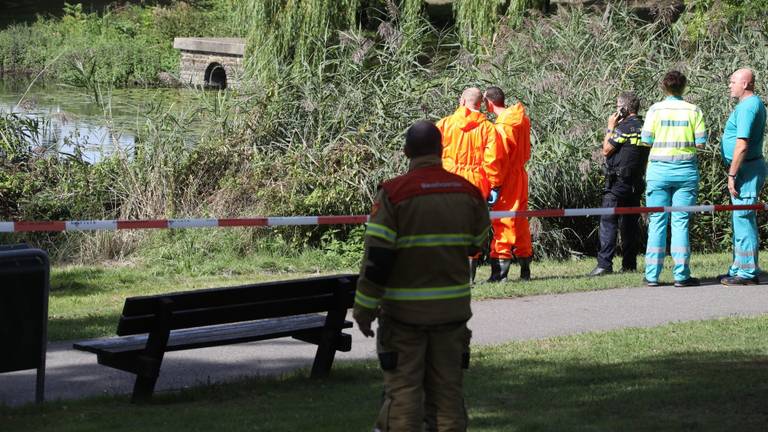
x=86, y=301
x=555, y=277
x=696, y=376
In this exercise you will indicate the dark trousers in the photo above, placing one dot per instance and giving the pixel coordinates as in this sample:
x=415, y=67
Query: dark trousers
x=423, y=376
x=620, y=194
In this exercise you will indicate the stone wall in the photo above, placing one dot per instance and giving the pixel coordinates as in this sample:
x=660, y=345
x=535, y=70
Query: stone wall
x=200, y=55
x=195, y=64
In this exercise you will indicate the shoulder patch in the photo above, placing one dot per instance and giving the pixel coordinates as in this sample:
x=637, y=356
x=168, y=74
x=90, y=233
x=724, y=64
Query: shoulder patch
x=424, y=181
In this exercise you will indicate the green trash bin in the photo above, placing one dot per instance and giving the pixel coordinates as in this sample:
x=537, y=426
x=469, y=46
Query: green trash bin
x=24, y=287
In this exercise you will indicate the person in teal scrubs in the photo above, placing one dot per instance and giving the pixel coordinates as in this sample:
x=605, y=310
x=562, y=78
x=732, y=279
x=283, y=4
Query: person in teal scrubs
x=742, y=151
x=674, y=129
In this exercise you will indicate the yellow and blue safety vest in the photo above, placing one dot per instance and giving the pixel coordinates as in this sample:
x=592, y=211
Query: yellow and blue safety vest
x=674, y=128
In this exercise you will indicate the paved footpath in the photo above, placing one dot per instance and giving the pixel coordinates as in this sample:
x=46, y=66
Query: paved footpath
x=73, y=374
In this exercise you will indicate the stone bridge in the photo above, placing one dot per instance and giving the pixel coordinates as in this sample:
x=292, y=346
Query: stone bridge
x=211, y=62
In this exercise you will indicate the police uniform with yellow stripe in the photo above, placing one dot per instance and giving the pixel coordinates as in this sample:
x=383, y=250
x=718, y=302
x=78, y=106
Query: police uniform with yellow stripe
x=624, y=186
x=674, y=128
x=415, y=277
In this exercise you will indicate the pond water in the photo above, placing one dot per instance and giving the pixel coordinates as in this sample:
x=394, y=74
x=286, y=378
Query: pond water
x=95, y=124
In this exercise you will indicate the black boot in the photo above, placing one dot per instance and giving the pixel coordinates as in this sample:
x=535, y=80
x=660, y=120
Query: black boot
x=472, y=270
x=499, y=269
x=525, y=268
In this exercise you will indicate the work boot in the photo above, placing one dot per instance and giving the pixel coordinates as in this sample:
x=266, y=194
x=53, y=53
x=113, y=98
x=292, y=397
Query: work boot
x=599, y=271
x=723, y=276
x=690, y=282
x=738, y=280
x=499, y=269
x=525, y=268
x=472, y=270
x=650, y=283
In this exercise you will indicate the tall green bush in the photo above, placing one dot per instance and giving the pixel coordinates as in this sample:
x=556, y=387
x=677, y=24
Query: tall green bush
x=567, y=69
x=708, y=17
x=320, y=135
x=125, y=45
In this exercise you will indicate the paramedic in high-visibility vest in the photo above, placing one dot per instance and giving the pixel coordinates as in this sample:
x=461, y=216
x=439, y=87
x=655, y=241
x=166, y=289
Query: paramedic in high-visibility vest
x=415, y=280
x=511, y=236
x=675, y=130
x=742, y=150
x=471, y=146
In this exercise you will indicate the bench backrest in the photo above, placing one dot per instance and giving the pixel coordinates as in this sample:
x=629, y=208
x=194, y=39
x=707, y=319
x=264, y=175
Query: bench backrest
x=240, y=303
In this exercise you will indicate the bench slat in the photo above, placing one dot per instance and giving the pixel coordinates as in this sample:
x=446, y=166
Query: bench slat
x=267, y=291
x=212, y=335
x=186, y=318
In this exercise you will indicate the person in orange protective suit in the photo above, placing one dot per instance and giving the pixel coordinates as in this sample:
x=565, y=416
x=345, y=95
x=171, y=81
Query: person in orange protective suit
x=472, y=148
x=511, y=236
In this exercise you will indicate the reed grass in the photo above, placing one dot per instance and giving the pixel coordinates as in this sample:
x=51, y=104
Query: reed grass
x=319, y=136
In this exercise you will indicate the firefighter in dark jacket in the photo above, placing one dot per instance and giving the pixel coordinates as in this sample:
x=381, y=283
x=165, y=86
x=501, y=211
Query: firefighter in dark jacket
x=415, y=279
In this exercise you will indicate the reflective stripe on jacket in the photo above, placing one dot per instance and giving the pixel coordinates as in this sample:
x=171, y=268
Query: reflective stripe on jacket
x=422, y=229
x=674, y=127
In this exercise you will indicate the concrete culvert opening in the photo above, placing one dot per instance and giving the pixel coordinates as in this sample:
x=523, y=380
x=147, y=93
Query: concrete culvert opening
x=216, y=76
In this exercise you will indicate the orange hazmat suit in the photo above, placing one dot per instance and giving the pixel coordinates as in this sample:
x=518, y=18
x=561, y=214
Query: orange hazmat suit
x=511, y=236
x=470, y=143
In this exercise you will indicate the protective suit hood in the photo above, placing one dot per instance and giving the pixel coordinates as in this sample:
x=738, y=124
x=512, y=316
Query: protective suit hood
x=512, y=116
x=466, y=119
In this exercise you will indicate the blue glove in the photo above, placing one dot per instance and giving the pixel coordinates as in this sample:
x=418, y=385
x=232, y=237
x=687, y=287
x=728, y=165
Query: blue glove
x=494, y=196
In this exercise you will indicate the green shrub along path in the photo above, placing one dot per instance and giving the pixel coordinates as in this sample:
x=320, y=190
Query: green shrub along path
x=314, y=134
x=695, y=376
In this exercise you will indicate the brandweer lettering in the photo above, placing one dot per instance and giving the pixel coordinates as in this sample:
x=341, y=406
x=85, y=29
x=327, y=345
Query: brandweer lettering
x=440, y=185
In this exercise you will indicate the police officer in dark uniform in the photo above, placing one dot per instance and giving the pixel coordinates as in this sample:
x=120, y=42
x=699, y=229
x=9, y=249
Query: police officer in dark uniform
x=626, y=157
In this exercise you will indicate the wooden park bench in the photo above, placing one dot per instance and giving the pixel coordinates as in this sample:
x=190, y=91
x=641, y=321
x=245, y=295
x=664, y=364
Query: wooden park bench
x=312, y=310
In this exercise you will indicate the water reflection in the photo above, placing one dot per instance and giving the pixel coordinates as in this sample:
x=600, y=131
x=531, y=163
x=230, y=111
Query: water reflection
x=73, y=121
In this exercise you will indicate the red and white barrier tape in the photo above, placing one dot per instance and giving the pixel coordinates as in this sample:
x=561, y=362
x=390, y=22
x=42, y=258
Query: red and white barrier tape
x=112, y=225
x=625, y=210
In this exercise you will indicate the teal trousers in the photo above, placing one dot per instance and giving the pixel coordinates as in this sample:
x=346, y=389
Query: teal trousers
x=664, y=193
x=746, y=243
